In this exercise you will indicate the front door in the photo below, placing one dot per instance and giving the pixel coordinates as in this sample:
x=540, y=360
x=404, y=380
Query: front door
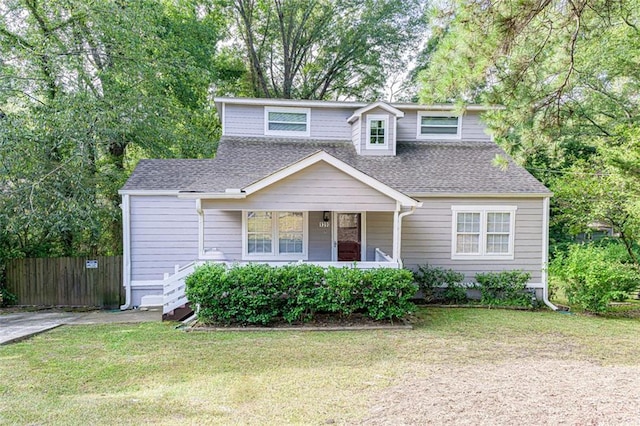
x=349, y=236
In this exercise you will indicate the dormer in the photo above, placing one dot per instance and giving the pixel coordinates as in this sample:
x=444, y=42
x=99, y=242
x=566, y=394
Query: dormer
x=374, y=129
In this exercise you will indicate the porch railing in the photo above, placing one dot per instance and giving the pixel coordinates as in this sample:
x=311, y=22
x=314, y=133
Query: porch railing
x=174, y=287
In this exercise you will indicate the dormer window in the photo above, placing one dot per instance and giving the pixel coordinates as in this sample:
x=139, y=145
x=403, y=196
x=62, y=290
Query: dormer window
x=378, y=131
x=438, y=125
x=287, y=121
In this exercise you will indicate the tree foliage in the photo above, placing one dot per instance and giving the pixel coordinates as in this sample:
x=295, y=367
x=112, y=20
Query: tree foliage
x=321, y=49
x=568, y=74
x=86, y=88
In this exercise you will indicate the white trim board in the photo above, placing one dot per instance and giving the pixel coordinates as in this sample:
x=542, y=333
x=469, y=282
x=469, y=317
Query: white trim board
x=337, y=104
x=382, y=105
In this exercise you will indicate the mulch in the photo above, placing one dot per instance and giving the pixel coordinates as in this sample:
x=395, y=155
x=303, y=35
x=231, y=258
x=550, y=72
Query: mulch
x=321, y=322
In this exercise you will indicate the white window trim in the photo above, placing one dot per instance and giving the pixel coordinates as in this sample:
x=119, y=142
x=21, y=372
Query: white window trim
x=377, y=117
x=275, y=255
x=483, y=210
x=267, y=131
x=421, y=114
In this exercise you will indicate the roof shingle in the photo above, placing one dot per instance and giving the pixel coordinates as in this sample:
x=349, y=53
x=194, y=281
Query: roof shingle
x=429, y=167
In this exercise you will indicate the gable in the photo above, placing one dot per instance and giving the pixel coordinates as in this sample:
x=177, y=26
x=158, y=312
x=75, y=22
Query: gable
x=318, y=187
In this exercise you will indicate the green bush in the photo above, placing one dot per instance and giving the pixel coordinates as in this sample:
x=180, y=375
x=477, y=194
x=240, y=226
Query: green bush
x=431, y=281
x=301, y=287
x=593, y=276
x=260, y=294
x=7, y=298
x=506, y=288
x=386, y=293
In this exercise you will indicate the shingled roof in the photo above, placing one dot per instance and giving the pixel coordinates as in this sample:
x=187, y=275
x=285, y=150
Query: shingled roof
x=429, y=167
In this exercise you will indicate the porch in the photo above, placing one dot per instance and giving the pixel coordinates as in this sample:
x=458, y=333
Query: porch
x=325, y=238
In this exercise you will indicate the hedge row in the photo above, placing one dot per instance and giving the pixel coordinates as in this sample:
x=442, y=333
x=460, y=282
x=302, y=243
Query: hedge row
x=261, y=294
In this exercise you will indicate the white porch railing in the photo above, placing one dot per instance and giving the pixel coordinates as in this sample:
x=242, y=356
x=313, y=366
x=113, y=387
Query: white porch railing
x=174, y=286
x=382, y=256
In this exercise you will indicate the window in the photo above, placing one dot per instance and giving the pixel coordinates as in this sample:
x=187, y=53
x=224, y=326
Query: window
x=377, y=128
x=287, y=121
x=275, y=235
x=483, y=232
x=438, y=125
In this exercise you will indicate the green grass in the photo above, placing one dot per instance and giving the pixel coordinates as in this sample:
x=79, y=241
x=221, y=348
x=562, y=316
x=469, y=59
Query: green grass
x=152, y=373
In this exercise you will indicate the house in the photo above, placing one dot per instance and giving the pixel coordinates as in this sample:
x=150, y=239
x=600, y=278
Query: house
x=334, y=183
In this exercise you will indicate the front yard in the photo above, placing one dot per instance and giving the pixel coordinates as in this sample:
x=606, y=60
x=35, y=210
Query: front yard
x=468, y=366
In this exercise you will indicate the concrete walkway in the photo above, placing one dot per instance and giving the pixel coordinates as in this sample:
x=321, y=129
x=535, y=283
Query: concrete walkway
x=22, y=325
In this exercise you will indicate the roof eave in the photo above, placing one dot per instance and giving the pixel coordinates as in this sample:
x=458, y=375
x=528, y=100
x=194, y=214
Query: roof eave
x=480, y=194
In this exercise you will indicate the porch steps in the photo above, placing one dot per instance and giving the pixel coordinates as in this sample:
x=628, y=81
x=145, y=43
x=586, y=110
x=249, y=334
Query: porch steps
x=178, y=314
x=175, y=305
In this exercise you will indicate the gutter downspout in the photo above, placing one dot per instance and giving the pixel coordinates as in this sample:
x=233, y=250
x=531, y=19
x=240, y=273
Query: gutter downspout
x=200, y=227
x=545, y=254
x=126, y=250
x=400, y=216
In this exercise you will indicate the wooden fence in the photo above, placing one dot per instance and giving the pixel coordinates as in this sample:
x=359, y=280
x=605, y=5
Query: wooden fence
x=67, y=281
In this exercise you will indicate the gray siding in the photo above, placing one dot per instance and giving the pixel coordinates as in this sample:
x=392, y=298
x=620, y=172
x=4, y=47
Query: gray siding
x=379, y=233
x=318, y=187
x=472, y=127
x=330, y=123
x=223, y=231
x=319, y=238
x=164, y=233
x=248, y=120
x=364, y=134
x=243, y=120
x=427, y=234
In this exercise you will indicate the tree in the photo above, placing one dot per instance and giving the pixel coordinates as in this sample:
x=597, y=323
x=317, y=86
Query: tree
x=568, y=74
x=86, y=89
x=321, y=49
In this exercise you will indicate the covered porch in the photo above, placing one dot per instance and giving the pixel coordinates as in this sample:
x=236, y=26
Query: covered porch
x=318, y=210
x=324, y=238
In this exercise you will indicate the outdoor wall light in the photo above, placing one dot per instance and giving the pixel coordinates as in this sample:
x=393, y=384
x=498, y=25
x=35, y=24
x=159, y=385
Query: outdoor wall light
x=325, y=216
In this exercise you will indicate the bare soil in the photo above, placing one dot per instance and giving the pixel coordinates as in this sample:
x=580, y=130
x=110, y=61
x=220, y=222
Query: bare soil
x=319, y=321
x=522, y=392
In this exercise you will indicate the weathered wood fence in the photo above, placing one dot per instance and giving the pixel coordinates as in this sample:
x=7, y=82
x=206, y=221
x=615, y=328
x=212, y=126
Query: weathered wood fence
x=67, y=281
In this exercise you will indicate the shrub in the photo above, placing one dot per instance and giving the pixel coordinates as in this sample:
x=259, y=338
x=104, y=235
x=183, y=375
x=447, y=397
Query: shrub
x=6, y=297
x=301, y=287
x=386, y=293
x=594, y=276
x=504, y=288
x=430, y=279
x=341, y=291
x=260, y=294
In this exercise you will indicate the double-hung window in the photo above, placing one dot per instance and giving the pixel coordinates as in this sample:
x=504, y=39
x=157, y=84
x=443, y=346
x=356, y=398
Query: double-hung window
x=275, y=235
x=438, y=125
x=483, y=232
x=287, y=121
x=377, y=131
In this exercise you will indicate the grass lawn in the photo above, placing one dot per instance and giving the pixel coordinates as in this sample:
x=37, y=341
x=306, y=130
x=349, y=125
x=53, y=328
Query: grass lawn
x=152, y=373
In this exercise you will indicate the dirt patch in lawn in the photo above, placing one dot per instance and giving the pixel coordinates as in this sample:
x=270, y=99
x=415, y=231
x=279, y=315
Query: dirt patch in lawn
x=529, y=391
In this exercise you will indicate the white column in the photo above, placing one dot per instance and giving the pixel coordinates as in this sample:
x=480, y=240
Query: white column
x=396, y=233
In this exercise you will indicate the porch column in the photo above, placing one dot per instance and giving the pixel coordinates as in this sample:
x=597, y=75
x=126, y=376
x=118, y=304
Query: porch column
x=396, y=233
